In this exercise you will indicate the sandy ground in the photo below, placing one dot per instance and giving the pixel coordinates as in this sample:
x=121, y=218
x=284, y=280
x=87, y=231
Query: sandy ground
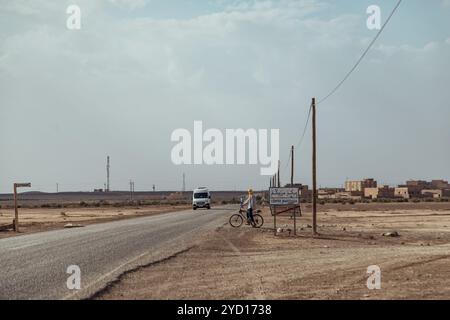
x=35, y=220
x=248, y=263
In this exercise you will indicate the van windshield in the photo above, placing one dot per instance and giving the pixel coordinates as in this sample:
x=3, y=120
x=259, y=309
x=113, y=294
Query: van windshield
x=201, y=195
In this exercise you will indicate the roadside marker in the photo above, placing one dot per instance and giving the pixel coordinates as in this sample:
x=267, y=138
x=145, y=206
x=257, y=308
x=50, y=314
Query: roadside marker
x=16, y=210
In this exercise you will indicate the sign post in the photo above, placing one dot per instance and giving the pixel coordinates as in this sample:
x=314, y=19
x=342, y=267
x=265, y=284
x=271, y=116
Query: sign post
x=289, y=199
x=16, y=210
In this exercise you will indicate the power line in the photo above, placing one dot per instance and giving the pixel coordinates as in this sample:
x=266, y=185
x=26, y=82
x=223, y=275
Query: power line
x=362, y=56
x=346, y=76
x=306, y=126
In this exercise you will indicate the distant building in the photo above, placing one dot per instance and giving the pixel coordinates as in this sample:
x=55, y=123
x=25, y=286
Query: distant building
x=434, y=184
x=436, y=193
x=382, y=192
x=305, y=193
x=418, y=184
x=408, y=192
x=350, y=195
x=328, y=193
x=360, y=185
x=440, y=184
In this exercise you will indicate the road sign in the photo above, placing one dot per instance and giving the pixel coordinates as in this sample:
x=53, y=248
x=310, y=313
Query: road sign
x=284, y=196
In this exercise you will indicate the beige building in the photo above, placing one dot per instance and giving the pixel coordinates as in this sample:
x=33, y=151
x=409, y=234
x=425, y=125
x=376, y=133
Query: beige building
x=360, y=185
x=384, y=192
x=401, y=192
x=436, y=193
x=408, y=192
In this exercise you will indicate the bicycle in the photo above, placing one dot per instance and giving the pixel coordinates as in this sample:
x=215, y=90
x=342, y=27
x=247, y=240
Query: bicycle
x=237, y=219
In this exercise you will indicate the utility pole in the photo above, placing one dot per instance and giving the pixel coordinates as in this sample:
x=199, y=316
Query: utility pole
x=278, y=174
x=314, y=167
x=107, y=174
x=184, y=183
x=131, y=190
x=57, y=187
x=292, y=166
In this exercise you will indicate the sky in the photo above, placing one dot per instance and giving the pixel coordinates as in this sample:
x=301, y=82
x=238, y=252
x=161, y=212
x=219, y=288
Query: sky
x=139, y=69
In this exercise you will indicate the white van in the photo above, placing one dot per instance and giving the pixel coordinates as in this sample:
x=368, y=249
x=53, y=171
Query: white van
x=201, y=198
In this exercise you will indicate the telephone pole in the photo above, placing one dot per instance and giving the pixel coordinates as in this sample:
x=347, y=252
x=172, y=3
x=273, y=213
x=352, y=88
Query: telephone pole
x=292, y=166
x=131, y=190
x=314, y=167
x=184, y=183
x=107, y=174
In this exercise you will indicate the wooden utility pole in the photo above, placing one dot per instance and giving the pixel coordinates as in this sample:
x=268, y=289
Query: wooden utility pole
x=16, y=209
x=314, y=167
x=292, y=166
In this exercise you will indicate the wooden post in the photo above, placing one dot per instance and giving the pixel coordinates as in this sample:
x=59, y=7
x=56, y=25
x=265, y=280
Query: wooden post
x=275, y=220
x=295, y=222
x=16, y=210
x=314, y=168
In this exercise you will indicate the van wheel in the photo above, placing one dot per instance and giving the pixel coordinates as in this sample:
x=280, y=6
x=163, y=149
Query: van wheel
x=208, y=207
x=194, y=208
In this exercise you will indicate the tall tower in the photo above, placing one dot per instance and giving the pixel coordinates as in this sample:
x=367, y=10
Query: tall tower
x=107, y=174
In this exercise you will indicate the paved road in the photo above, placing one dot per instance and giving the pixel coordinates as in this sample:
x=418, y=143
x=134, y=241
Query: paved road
x=35, y=266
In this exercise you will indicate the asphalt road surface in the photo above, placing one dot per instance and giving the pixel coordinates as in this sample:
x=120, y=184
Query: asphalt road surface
x=35, y=266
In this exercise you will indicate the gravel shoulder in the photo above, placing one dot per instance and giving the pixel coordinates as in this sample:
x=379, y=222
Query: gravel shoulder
x=45, y=219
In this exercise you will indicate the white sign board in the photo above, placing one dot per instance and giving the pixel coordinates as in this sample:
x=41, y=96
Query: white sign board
x=284, y=196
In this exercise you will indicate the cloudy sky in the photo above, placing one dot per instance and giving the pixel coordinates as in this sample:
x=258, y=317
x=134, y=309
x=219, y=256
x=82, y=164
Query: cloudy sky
x=139, y=69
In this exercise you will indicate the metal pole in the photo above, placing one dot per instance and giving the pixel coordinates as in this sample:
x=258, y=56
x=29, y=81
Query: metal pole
x=314, y=168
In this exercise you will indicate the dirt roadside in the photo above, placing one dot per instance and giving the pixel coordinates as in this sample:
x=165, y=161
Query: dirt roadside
x=248, y=263
x=45, y=219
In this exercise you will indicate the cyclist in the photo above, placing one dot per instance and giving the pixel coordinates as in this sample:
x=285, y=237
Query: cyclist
x=250, y=202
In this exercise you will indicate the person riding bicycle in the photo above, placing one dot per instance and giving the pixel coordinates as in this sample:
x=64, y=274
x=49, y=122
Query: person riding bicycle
x=250, y=202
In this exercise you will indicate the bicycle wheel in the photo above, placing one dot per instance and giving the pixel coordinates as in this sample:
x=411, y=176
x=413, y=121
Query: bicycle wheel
x=236, y=220
x=259, y=221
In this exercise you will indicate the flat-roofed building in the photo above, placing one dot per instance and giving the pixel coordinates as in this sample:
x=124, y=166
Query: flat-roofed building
x=440, y=184
x=436, y=193
x=382, y=192
x=408, y=192
x=360, y=185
